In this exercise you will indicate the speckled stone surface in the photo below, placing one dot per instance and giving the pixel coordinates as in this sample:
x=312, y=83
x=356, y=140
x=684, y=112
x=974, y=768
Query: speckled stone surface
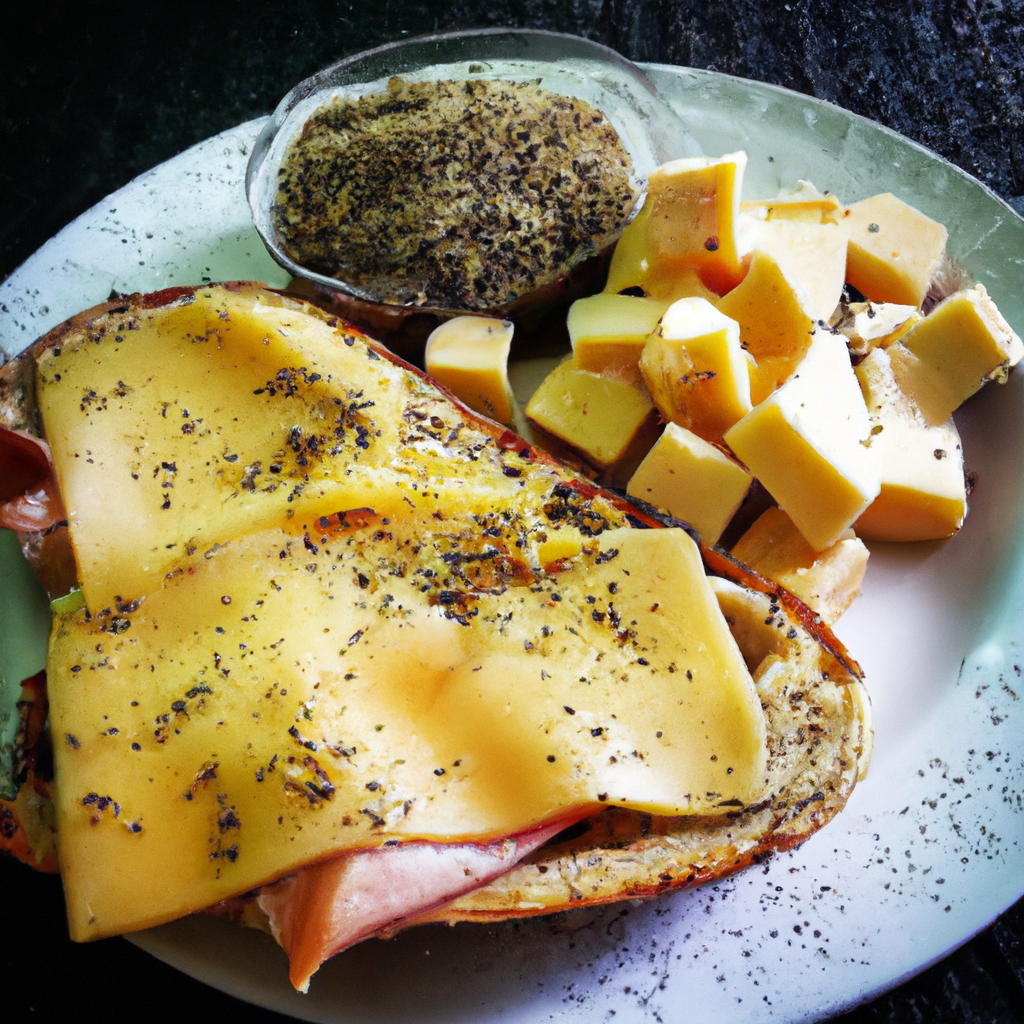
x=87, y=103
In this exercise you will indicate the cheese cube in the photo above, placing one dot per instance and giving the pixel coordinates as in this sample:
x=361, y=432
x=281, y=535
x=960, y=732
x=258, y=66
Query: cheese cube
x=812, y=257
x=608, y=333
x=826, y=581
x=805, y=444
x=893, y=249
x=923, y=495
x=603, y=419
x=469, y=356
x=633, y=267
x=869, y=325
x=694, y=205
x=695, y=369
x=952, y=352
x=631, y=256
x=804, y=203
x=774, y=325
x=691, y=480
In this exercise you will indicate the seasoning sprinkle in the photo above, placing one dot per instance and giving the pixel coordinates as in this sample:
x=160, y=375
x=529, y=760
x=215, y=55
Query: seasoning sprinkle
x=452, y=194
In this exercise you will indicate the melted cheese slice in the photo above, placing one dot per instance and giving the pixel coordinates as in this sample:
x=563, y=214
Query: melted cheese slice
x=407, y=671
x=209, y=419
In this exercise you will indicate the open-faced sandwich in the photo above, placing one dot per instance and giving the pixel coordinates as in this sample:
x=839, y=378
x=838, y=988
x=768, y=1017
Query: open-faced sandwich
x=335, y=655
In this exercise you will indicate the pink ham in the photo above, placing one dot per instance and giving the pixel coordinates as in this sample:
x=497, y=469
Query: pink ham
x=29, y=497
x=332, y=905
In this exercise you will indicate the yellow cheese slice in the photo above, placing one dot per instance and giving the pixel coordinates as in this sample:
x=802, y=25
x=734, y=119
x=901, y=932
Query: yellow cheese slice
x=207, y=746
x=249, y=420
x=427, y=660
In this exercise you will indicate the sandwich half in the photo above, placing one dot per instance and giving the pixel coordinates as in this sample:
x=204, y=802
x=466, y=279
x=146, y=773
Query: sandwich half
x=334, y=655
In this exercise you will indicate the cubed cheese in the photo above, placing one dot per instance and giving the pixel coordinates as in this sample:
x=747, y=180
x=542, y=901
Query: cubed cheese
x=947, y=356
x=805, y=443
x=923, y=495
x=692, y=480
x=633, y=267
x=469, y=356
x=869, y=325
x=811, y=256
x=696, y=370
x=603, y=419
x=804, y=203
x=893, y=249
x=826, y=581
x=775, y=327
x=608, y=333
x=694, y=204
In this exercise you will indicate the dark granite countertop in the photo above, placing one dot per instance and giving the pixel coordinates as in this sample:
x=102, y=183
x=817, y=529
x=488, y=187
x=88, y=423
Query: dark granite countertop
x=91, y=95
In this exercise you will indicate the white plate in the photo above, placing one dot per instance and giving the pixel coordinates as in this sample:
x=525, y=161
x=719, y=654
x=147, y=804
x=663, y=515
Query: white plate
x=930, y=848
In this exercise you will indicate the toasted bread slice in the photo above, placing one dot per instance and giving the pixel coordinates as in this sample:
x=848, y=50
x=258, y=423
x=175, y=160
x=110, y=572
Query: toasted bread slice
x=815, y=728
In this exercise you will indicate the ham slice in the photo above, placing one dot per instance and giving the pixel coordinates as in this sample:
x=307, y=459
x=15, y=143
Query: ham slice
x=29, y=496
x=332, y=905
